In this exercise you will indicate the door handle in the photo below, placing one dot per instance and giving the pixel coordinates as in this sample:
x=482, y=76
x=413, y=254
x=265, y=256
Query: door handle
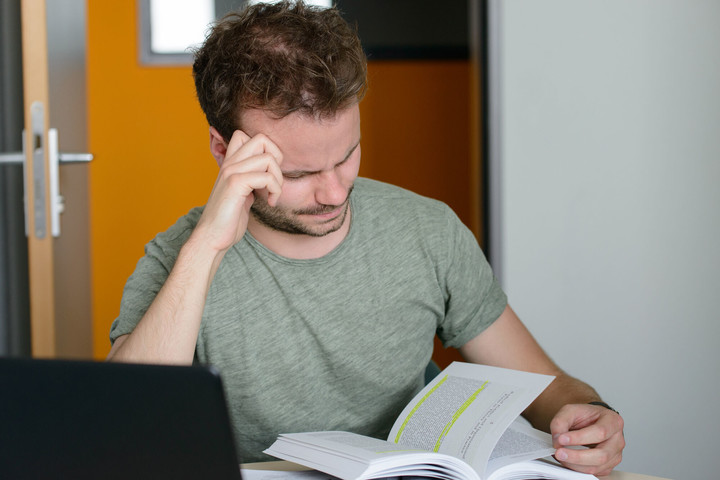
x=12, y=158
x=57, y=202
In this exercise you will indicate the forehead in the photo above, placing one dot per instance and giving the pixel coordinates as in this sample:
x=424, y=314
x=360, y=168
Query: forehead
x=307, y=141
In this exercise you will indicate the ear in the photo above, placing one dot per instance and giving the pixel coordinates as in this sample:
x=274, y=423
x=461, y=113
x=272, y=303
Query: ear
x=218, y=146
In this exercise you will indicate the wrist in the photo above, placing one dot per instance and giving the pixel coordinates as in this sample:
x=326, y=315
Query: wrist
x=201, y=247
x=198, y=257
x=605, y=405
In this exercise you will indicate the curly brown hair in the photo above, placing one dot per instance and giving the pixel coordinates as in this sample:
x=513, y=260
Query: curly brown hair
x=283, y=58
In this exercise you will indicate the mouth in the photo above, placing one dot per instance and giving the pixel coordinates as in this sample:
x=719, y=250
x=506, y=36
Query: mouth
x=330, y=215
x=326, y=213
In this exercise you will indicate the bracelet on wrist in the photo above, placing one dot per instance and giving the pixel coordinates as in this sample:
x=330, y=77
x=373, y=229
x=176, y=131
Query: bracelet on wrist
x=603, y=404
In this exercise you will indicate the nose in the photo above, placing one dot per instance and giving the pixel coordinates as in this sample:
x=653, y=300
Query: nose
x=330, y=189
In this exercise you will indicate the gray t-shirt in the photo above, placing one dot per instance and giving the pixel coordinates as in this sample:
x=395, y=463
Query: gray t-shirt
x=339, y=342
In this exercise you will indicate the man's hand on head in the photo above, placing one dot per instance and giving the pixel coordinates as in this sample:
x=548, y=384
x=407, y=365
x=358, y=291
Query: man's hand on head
x=247, y=165
x=599, y=428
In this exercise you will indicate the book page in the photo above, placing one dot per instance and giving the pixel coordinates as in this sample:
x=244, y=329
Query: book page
x=465, y=410
x=250, y=474
x=518, y=443
x=537, y=470
x=351, y=456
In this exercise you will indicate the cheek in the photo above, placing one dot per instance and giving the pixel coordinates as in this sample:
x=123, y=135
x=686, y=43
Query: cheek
x=351, y=168
x=292, y=193
x=354, y=170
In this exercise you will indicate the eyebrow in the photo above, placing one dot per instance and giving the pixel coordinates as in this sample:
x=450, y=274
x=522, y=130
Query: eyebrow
x=301, y=173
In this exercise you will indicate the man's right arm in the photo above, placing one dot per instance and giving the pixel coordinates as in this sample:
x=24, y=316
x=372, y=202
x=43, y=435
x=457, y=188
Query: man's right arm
x=168, y=331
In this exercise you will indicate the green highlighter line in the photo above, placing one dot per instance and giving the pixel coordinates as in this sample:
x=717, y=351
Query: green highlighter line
x=412, y=412
x=456, y=415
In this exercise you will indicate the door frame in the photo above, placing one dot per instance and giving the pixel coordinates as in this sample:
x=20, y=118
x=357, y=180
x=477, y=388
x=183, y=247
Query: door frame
x=53, y=58
x=37, y=174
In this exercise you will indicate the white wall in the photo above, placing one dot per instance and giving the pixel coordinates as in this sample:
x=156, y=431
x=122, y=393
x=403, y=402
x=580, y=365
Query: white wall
x=608, y=193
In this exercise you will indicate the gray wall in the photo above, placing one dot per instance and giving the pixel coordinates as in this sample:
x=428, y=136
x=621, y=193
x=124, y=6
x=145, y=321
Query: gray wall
x=67, y=91
x=607, y=189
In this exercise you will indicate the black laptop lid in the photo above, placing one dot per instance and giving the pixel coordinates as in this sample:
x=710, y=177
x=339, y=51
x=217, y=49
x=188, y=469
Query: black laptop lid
x=87, y=420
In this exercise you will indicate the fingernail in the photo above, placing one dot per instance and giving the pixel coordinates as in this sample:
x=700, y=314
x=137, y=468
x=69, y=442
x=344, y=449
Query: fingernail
x=561, y=455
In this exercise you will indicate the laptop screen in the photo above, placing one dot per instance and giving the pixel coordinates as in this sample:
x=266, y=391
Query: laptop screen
x=90, y=420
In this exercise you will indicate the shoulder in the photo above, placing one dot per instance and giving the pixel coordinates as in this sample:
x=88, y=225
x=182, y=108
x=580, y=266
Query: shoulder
x=184, y=225
x=406, y=218
x=385, y=198
x=167, y=244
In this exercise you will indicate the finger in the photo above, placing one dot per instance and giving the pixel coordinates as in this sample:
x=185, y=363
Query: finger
x=264, y=162
x=267, y=145
x=573, y=417
x=274, y=195
x=595, y=461
x=259, y=163
x=242, y=185
x=238, y=139
x=600, y=470
x=246, y=155
x=584, y=456
x=604, y=427
x=603, y=458
x=237, y=195
x=242, y=147
x=591, y=435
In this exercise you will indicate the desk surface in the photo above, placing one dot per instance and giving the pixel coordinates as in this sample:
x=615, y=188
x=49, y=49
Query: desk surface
x=284, y=466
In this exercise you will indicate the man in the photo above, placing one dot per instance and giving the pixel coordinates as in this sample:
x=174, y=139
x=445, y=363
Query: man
x=317, y=294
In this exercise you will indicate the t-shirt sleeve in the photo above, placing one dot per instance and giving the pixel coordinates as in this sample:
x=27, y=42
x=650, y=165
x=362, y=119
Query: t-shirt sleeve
x=473, y=296
x=139, y=292
x=150, y=275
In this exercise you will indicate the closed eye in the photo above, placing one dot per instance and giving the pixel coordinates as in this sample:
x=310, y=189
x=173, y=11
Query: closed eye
x=299, y=174
x=295, y=176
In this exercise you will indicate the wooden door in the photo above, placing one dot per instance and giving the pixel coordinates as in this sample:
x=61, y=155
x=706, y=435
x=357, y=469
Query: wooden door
x=57, y=256
x=37, y=173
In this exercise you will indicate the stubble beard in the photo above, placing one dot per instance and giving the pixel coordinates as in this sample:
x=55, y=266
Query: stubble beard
x=290, y=221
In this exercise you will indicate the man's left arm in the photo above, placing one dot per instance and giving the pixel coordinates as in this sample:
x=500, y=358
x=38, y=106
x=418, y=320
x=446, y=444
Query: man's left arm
x=563, y=409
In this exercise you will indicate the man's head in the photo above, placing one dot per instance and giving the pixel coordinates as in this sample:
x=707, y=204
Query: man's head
x=282, y=58
x=321, y=158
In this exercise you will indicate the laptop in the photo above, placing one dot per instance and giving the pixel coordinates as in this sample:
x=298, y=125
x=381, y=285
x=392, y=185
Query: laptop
x=80, y=420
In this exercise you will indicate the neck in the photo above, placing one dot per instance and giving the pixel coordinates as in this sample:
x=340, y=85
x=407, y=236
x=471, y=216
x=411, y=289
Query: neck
x=295, y=246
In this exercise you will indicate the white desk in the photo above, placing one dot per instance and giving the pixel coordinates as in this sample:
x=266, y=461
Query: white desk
x=286, y=466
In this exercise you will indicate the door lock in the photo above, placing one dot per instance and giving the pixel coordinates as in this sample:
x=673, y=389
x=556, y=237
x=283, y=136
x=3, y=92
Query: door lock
x=57, y=203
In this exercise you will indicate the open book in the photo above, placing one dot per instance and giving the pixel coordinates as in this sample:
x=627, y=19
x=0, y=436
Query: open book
x=462, y=426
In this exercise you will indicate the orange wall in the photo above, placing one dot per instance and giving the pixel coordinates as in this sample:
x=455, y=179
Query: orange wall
x=150, y=147
x=416, y=128
x=152, y=162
